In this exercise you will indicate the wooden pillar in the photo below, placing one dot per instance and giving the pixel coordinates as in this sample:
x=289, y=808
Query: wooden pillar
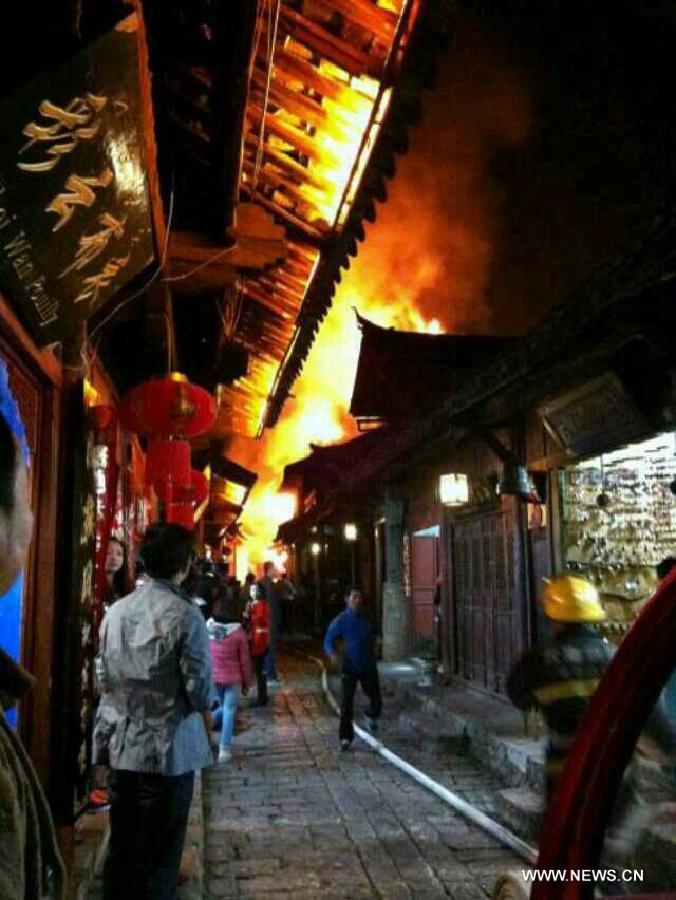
x=66, y=632
x=396, y=610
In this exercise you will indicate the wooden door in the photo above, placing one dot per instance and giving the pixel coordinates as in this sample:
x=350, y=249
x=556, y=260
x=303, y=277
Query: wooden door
x=488, y=603
x=424, y=570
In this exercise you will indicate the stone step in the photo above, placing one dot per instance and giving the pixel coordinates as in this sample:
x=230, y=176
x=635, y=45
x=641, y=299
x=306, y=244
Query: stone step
x=491, y=738
x=521, y=811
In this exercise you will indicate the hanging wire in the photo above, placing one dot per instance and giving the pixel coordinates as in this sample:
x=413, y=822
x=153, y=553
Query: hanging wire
x=197, y=268
x=152, y=278
x=272, y=46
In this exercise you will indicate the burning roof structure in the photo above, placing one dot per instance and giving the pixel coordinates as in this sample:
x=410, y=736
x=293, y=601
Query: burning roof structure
x=399, y=372
x=277, y=123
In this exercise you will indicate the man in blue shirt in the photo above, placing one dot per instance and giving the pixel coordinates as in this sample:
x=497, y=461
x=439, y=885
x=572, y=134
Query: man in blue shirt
x=359, y=664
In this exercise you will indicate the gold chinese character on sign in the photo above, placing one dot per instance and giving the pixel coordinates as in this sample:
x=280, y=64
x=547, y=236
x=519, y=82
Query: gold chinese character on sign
x=87, y=584
x=95, y=283
x=88, y=521
x=91, y=245
x=65, y=127
x=78, y=192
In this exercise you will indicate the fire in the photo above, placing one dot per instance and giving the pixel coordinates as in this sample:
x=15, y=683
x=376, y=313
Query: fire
x=318, y=411
x=425, y=266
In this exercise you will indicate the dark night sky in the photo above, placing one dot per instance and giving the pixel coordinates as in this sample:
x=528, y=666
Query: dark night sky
x=601, y=152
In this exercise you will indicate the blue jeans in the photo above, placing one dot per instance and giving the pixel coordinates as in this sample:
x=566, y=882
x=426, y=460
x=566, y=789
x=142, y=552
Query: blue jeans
x=271, y=659
x=224, y=716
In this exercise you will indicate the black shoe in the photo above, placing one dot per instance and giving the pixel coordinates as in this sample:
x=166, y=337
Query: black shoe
x=345, y=745
x=259, y=702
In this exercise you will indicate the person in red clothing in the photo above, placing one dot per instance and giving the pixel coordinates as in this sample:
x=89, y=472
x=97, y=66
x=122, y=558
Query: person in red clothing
x=258, y=615
x=231, y=668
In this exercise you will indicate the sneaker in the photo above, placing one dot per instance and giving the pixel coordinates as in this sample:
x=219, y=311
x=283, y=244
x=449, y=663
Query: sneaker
x=224, y=754
x=345, y=745
x=273, y=682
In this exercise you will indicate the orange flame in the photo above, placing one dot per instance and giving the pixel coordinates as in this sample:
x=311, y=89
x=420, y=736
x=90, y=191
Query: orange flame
x=425, y=266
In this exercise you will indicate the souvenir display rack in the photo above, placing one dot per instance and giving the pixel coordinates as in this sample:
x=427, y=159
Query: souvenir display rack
x=619, y=521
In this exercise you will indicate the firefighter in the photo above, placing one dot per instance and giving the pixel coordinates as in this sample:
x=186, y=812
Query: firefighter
x=560, y=676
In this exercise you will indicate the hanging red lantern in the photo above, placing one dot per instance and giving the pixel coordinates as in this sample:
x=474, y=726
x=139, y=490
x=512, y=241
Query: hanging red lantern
x=181, y=514
x=167, y=465
x=196, y=492
x=168, y=406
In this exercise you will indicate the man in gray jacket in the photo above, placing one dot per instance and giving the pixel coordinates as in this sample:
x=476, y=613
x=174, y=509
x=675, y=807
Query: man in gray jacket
x=154, y=671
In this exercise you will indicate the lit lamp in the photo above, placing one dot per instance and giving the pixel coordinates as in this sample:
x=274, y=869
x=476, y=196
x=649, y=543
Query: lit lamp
x=350, y=531
x=454, y=489
x=316, y=549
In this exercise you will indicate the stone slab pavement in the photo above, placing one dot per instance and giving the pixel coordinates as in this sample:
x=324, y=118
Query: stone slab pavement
x=291, y=816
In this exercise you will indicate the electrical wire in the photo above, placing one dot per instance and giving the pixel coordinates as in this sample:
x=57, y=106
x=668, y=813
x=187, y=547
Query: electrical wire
x=152, y=278
x=198, y=268
x=266, y=97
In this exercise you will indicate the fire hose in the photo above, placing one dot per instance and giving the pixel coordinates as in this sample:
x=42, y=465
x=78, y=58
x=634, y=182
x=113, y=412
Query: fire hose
x=450, y=798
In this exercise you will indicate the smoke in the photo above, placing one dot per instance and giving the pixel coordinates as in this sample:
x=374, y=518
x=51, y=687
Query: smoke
x=426, y=262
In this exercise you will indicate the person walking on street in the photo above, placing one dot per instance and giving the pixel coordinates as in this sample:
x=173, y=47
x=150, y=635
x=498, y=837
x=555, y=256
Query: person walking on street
x=272, y=598
x=231, y=664
x=258, y=615
x=561, y=675
x=31, y=867
x=151, y=729
x=358, y=638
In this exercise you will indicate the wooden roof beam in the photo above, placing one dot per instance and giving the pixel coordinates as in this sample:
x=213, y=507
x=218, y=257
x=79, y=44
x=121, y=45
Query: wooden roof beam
x=293, y=102
x=264, y=299
x=295, y=137
x=314, y=235
x=290, y=66
x=234, y=29
x=300, y=173
x=382, y=22
x=335, y=49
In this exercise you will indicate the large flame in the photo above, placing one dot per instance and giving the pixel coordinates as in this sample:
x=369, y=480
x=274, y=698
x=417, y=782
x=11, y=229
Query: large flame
x=425, y=266
x=318, y=411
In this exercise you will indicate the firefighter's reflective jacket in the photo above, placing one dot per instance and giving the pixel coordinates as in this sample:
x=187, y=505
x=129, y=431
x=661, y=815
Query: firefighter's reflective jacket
x=559, y=678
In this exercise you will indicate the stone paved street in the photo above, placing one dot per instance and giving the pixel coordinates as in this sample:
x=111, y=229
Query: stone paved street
x=290, y=816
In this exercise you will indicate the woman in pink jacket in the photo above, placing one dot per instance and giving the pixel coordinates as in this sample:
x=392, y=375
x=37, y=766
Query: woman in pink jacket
x=231, y=667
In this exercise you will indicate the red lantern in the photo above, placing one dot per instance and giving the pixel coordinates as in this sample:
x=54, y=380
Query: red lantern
x=181, y=514
x=168, y=406
x=167, y=466
x=196, y=492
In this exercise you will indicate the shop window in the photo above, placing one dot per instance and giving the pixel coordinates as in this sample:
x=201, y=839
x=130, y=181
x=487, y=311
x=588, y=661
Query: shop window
x=619, y=522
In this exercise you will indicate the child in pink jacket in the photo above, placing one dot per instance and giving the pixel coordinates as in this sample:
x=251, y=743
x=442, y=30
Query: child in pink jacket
x=231, y=667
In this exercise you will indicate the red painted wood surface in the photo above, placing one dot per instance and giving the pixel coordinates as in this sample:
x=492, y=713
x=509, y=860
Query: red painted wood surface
x=424, y=569
x=573, y=831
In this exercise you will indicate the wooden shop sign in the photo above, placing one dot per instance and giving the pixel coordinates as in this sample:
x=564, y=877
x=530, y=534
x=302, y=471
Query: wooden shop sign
x=74, y=210
x=594, y=418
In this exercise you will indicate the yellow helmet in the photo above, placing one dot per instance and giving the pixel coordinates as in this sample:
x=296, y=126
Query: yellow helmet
x=570, y=599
